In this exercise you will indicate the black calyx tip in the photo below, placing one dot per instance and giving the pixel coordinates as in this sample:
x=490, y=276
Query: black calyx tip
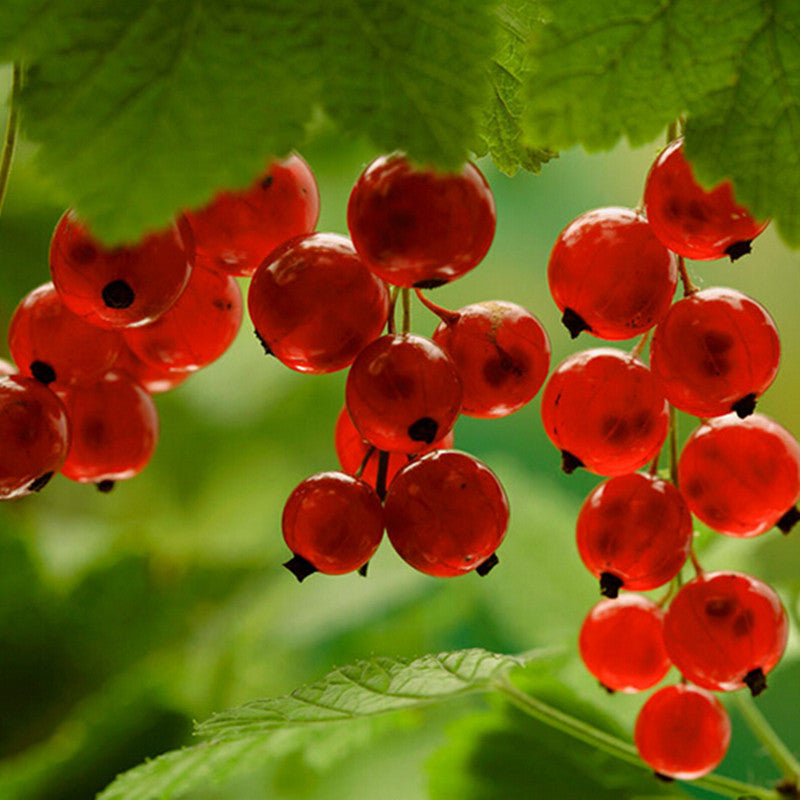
x=118, y=294
x=610, y=585
x=423, y=430
x=608, y=689
x=569, y=462
x=431, y=284
x=267, y=182
x=756, y=681
x=788, y=520
x=739, y=249
x=485, y=567
x=105, y=486
x=663, y=778
x=300, y=567
x=40, y=482
x=362, y=570
x=788, y=788
x=573, y=322
x=43, y=372
x=745, y=407
x=263, y=343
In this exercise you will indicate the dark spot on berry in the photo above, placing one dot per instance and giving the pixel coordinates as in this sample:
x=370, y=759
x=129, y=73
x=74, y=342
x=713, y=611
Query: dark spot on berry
x=743, y=623
x=300, y=567
x=715, y=346
x=40, y=482
x=105, y=486
x=423, y=430
x=43, y=372
x=788, y=520
x=222, y=304
x=573, y=322
x=745, y=407
x=434, y=283
x=569, y=462
x=719, y=607
x=615, y=429
x=94, y=432
x=267, y=182
x=487, y=566
x=263, y=343
x=118, y=294
x=756, y=681
x=739, y=249
x=610, y=585
x=696, y=211
x=82, y=253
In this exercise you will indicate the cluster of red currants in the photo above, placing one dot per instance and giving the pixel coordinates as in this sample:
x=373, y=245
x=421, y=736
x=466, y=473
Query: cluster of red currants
x=320, y=303
x=117, y=325
x=613, y=273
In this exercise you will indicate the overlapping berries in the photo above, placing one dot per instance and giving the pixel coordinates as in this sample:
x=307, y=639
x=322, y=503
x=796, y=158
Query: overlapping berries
x=613, y=273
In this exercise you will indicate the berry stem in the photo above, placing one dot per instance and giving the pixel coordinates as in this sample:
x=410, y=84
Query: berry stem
x=10, y=140
x=364, y=461
x=445, y=315
x=406, y=295
x=380, y=479
x=390, y=327
x=688, y=286
x=640, y=345
x=673, y=445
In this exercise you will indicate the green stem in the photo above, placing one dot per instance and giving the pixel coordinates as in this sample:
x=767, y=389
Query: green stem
x=613, y=745
x=673, y=445
x=10, y=140
x=406, y=295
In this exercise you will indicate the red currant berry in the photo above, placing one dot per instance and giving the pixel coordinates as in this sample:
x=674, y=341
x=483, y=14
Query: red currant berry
x=716, y=351
x=121, y=286
x=741, y=477
x=622, y=643
x=315, y=305
x=333, y=523
x=403, y=393
x=602, y=408
x=725, y=630
x=34, y=431
x=682, y=732
x=610, y=275
x=150, y=377
x=446, y=514
x=634, y=532
x=114, y=429
x=54, y=345
x=6, y=368
x=502, y=355
x=691, y=221
x=419, y=227
x=236, y=231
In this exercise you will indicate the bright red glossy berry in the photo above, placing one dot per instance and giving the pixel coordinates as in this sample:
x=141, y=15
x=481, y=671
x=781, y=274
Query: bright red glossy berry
x=634, y=532
x=725, y=630
x=150, y=377
x=502, y=355
x=741, y=476
x=333, y=523
x=7, y=368
x=603, y=409
x=197, y=329
x=54, y=345
x=622, y=643
x=120, y=286
x=315, y=305
x=716, y=351
x=418, y=227
x=682, y=732
x=34, y=431
x=691, y=221
x=403, y=393
x=446, y=513
x=236, y=231
x=114, y=429
x=610, y=275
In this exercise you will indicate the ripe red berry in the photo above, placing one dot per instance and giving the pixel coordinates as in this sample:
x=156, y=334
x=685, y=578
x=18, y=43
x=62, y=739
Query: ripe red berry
x=237, y=230
x=690, y=220
x=725, y=630
x=120, y=286
x=622, y=644
x=418, y=227
x=610, y=275
x=602, y=408
x=634, y=532
x=446, y=513
x=403, y=393
x=150, y=377
x=682, y=732
x=332, y=522
x=315, y=305
x=716, y=351
x=7, y=368
x=741, y=476
x=34, y=431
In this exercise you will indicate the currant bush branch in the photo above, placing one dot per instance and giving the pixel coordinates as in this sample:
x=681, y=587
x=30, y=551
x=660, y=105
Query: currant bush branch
x=10, y=139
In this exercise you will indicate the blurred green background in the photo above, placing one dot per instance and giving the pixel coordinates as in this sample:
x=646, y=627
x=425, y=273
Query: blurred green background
x=123, y=617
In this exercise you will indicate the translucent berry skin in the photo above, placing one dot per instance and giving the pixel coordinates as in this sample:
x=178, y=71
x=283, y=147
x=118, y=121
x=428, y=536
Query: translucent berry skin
x=114, y=429
x=609, y=269
x=197, y=329
x=446, y=513
x=695, y=223
x=418, y=227
x=502, y=354
x=636, y=528
x=682, y=732
x=722, y=626
x=740, y=476
x=622, y=643
x=352, y=449
x=121, y=286
x=236, y=231
x=334, y=521
x=150, y=377
x=54, y=345
x=35, y=433
x=604, y=408
x=7, y=368
x=715, y=351
x=403, y=392
x=315, y=305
